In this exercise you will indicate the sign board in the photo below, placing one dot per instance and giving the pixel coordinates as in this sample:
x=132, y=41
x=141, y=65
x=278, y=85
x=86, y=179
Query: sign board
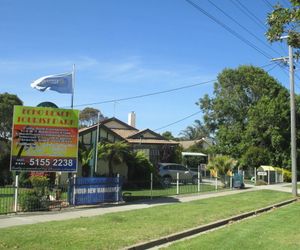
x=93, y=190
x=237, y=180
x=262, y=173
x=44, y=139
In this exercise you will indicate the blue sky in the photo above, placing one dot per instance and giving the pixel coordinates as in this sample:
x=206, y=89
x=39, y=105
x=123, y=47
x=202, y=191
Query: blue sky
x=124, y=48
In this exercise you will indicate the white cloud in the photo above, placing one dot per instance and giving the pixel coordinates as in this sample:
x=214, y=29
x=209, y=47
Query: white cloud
x=131, y=70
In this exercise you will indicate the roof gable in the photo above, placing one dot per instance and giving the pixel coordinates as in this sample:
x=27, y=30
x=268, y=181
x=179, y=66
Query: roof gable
x=147, y=134
x=114, y=123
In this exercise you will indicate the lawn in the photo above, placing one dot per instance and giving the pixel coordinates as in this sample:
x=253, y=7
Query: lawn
x=6, y=200
x=290, y=185
x=136, y=194
x=274, y=230
x=118, y=230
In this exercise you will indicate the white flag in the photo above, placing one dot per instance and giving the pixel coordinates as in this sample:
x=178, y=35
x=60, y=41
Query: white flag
x=61, y=83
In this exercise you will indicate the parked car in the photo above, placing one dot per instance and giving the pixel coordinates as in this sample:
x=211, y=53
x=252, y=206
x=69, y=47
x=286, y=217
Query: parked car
x=168, y=173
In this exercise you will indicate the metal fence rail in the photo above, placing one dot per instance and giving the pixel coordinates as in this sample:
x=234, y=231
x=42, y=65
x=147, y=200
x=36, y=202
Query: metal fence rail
x=26, y=198
x=149, y=189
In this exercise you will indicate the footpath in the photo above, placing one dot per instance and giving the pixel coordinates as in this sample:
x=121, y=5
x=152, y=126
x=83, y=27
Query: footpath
x=78, y=212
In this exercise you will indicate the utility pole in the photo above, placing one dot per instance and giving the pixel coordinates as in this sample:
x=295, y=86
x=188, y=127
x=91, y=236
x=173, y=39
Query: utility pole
x=293, y=117
x=293, y=124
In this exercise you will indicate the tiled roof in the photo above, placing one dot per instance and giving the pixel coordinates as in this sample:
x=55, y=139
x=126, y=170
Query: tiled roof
x=128, y=133
x=151, y=141
x=125, y=133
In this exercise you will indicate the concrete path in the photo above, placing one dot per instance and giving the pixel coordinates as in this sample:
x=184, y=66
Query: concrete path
x=73, y=213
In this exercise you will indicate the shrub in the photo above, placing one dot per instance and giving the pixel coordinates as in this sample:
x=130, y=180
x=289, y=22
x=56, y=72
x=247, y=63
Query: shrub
x=37, y=197
x=287, y=174
x=139, y=170
x=260, y=183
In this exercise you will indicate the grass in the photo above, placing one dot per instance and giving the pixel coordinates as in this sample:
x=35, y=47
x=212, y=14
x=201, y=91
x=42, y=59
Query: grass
x=290, y=185
x=118, y=230
x=136, y=194
x=275, y=230
x=6, y=199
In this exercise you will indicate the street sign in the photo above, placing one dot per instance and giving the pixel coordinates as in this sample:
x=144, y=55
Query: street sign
x=262, y=173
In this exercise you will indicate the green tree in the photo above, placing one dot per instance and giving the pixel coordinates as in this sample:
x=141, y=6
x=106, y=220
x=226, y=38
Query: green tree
x=89, y=116
x=5, y=174
x=7, y=102
x=195, y=131
x=85, y=155
x=285, y=21
x=139, y=169
x=249, y=108
x=114, y=153
x=255, y=157
x=168, y=135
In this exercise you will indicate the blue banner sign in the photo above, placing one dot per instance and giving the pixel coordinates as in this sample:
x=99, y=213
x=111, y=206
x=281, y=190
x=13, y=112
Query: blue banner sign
x=94, y=190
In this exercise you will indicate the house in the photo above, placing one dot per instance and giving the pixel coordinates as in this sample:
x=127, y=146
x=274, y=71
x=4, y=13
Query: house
x=112, y=130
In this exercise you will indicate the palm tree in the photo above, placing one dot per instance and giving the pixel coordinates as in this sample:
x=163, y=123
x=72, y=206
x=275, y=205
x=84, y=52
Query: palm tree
x=113, y=153
x=27, y=137
x=85, y=155
x=194, y=132
x=222, y=164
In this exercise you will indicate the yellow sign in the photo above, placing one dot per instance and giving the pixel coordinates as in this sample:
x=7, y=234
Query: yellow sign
x=44, y=139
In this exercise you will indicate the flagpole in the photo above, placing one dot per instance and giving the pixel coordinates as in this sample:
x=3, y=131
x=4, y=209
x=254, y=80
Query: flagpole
x=73, y=84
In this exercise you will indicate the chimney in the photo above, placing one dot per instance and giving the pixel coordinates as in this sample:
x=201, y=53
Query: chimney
x=131, y=119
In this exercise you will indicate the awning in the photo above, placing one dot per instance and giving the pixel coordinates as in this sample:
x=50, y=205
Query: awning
x=192, y=154
x=265, y=168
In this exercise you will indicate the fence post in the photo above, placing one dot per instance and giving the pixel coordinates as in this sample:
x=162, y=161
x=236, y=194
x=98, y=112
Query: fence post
x=243, y=173
x=255, y=174
x=198, y=180
x=118, y=187
x=276, y=176
x=282, y=175
x=16, y=193
x=216, y=180
x=269, y=177
x=74, y=189
x=151, y=185
x=230, y=181
x=177, y=183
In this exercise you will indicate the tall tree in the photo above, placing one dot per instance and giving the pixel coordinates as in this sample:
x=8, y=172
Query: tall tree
x=195, y=131
x=89, y=116
x=249, y=109
x=285, y=21
x=7, y=102
x=168, y=135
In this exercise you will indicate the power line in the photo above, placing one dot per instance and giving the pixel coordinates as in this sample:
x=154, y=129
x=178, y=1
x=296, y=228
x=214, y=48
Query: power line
x=268, y=4
x=170, y=124
x=272, y=68
x=249, y=14
x=156, y=93
x=246, y=41
x=178, y=121
x=244, y=28
x=146, y=95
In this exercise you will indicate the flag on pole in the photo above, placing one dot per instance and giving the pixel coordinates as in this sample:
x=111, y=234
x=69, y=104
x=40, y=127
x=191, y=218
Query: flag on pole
x=62, y=83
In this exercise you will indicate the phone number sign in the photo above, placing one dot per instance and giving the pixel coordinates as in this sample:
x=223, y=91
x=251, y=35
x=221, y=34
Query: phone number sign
x=44, y=139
